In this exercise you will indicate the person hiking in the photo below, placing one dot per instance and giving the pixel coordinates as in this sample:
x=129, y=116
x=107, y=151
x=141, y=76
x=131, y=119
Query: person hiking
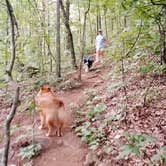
x=100, y=45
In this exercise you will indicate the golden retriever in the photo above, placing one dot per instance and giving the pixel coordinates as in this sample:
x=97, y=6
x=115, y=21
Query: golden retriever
x=51, y=109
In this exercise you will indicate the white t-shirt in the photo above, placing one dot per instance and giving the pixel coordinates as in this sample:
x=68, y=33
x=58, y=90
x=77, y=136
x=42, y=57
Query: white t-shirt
x=100, y=41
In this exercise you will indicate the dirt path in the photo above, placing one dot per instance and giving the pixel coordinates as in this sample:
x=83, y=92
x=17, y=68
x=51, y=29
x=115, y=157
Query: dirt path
x=70, y=150
x=66, y=150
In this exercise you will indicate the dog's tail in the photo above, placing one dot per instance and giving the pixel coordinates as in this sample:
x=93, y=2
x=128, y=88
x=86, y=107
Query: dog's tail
x=64, y=116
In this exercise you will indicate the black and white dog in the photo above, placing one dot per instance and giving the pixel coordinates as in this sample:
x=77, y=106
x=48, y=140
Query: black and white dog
x=88, y=62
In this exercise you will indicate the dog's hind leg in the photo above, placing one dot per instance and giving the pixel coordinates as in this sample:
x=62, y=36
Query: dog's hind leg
x=59, y=130
x=50, y=127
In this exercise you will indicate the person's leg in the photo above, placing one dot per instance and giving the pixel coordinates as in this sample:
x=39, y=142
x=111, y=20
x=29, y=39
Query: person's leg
x=101, y=54
x=97, y=55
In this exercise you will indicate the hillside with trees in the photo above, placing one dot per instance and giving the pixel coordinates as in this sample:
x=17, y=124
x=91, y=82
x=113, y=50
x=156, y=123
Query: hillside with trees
x=118, y=108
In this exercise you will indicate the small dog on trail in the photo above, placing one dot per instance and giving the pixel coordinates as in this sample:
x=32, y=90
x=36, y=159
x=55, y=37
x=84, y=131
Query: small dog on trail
x=88, y=62
x=51, y=110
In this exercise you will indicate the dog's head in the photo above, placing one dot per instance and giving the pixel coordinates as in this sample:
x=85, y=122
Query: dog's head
x=88, y=62
x=45, y=89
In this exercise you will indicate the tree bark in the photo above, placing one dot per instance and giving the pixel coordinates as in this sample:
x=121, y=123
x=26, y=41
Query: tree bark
x=105, y=21
x=83, y=39
x=98, y=17
x=68, y=17
x=164, y=35
x=58, y=65
x=162, y=30
x=91, y=30
x=7, y=127
x=9, y=67
x=66, y=22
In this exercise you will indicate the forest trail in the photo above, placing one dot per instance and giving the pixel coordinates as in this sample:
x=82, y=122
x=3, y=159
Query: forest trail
x=56, y=151
x=69, y=149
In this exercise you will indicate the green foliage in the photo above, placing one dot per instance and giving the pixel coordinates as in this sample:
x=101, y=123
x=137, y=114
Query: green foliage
x=96, y=111
x=14, y=128
x=117, y=114
x=152, y=68
x=85, y=128
x=135, y=143
x=90, y=135
x=160, y=156
x=30, y=151
x=161, y=69
x=147, y=68
x=39, y=83
x=91, y=93
x=31, y=106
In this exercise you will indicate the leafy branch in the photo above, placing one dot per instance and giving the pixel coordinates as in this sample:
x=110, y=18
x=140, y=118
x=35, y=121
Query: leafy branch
x=136, y=39
x=158, y=3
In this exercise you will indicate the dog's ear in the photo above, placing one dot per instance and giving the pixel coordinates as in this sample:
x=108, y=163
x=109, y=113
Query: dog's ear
x=41, y=88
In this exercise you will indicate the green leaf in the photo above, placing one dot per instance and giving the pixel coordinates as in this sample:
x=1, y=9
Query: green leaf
x=125, y=151
x=30, y=151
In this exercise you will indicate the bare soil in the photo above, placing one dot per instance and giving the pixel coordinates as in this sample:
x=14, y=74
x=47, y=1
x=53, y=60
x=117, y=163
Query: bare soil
x=69, y=150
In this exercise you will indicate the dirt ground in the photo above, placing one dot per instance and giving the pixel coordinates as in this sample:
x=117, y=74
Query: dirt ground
x=64, y=151
x=69, y=150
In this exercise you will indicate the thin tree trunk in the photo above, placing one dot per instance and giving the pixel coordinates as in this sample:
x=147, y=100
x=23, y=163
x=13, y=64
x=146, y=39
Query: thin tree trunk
x=79, y=19
x=68, y=16
x=105, y=21
x=164, y=35
x=83, y=40
x=9, y=67
x=91, y=30
x=7, y=127
x=49, y=53
x=43, y=25
x=112, y=25
x=98, y=19
x=66, y=22
x=58, y=65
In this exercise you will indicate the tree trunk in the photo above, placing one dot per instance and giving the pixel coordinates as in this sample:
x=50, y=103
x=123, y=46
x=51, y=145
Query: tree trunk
x=10, y=66
x=68, y=17
x=43, y=26
x=7, y=128
x=164, y=36
x=83, y=40
x=98, y=17
x=105, y=22
x=79, y=19
x=66, y=22
x=91, y=30
x=58, y=65
x=162, y=31
x=49, y=53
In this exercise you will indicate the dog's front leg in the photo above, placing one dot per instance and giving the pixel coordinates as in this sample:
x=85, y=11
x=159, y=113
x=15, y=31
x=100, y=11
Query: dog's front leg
x=42, y=121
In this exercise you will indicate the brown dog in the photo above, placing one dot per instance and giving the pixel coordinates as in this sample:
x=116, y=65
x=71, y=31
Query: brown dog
x=51, y=109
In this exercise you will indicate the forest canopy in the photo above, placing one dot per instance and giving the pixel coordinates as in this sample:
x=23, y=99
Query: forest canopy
x=142, y=22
